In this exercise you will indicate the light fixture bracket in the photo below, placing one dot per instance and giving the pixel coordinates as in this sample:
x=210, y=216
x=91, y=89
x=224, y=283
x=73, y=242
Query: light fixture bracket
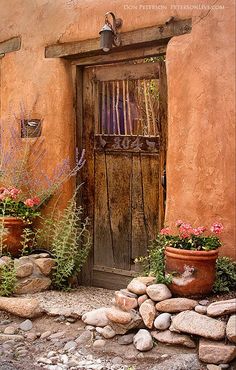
x=116, y=24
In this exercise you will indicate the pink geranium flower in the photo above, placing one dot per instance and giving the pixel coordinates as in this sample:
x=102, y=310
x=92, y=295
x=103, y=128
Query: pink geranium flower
x=179, y=223
x=165, y=231
x=14, y=192
x=217, y=228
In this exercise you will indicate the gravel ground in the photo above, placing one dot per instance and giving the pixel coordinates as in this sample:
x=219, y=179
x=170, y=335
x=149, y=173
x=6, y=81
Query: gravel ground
x=60, y=349
x=82, y=299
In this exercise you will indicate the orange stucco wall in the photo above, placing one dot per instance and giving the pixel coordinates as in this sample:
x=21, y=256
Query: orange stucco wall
x=200, y=67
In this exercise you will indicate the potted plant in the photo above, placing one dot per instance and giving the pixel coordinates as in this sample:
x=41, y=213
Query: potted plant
x=16, y=213
x=190, y=257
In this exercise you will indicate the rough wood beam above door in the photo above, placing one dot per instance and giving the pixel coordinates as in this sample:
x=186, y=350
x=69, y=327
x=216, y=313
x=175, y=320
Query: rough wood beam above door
x=10, y=45
x=160, y=34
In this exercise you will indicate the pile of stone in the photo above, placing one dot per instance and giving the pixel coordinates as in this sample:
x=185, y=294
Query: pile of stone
x=146, y=313
x=33, y=272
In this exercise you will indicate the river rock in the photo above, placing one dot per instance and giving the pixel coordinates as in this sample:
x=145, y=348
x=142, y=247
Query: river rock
x=183, y=361
x=23, y=269
x=116, y=315
x=99, y=343
x=142, y=299
x=163, y=321
x=222, y=308
x=5, y=260
x=8, y=337
x=136, y=322
x=176, y=305
x=45, y=265
x=128, y=293
x=32, y=285
x=216, y=352
x=137, y=287
x=231, y=329
x=84, y=338
x=148, y=312
x=107, y=332
x=213, y=367
x=26, y=325
x=158, y=292
x=23, y=307
x=126, y=339
x=143, y=340
x=194, y=323
x=173, y=338
x=201, y=309
x=147, y=280
x=124, y=302
x=70, y=345
x=9, y=330
x=96, y=317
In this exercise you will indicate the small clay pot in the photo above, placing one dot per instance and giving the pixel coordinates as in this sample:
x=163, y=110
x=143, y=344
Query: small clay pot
x=193, y=271
x=13, y=238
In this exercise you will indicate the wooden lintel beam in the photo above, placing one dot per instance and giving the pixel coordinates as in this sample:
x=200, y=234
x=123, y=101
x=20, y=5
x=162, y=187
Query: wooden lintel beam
x=160, y=34
x=10, y=45
x=120, y=56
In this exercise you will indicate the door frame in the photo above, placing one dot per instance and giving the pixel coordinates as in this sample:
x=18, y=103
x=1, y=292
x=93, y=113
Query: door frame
x=86, y=275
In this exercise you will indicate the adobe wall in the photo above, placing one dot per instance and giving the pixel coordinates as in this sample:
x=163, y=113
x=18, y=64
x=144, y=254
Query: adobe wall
x=200, y=67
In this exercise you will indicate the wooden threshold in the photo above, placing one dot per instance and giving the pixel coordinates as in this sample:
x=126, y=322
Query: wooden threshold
x=158, y=35
x=111, y=278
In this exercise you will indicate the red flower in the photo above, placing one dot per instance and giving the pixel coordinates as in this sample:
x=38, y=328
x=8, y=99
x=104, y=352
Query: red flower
x=36, y=201
x=29, y=202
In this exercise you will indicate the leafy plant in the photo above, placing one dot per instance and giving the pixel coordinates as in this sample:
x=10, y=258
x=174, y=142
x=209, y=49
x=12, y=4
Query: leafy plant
x=191, y=238
x=154, y=262
x=71, y=244
x=28, y=240
x=225, y=275
x=7, y=279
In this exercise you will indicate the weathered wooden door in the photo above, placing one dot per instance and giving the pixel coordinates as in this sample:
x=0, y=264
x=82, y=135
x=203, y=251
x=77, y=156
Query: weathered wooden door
x=124, y=136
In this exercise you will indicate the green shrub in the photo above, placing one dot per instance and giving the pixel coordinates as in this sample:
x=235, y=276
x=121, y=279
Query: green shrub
x=154, y=263
x=225, y=275
x=7, y=279
x=71, y=242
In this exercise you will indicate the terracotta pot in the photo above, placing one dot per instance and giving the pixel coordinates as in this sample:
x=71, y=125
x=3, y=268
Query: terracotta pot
x=12, y=240
x=193, y=271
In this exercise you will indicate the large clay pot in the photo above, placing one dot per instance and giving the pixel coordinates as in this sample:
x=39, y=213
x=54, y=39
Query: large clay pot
x=193, y=271
x=14, y=231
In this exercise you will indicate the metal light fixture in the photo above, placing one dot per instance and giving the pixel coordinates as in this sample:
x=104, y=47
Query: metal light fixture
x=108, y=34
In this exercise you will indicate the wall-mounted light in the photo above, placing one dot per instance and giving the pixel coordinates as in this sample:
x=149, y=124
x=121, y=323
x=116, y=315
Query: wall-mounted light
x=108, y=34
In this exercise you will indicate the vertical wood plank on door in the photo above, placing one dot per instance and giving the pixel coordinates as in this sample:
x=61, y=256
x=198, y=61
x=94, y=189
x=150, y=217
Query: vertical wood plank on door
x=150, y=179
x=87, y=172
x=139, y=222
x=163, y=135
x=103, y=251
x=119, y=176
